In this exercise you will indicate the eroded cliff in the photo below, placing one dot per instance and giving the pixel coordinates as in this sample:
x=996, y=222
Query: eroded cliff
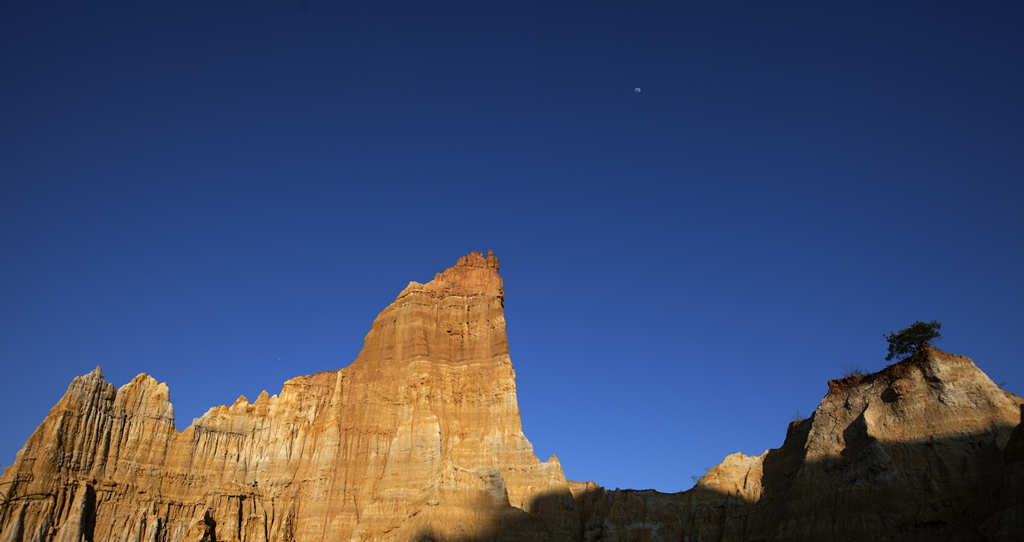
x=922, y=450
x=420, y=439
x=421, y=433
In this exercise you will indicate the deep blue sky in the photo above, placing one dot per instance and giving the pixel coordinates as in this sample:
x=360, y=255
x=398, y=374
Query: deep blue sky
x=225, y=197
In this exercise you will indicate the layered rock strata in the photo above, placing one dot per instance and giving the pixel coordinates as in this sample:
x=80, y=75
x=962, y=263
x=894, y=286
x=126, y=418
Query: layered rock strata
x=421, y=433
x=420, y=439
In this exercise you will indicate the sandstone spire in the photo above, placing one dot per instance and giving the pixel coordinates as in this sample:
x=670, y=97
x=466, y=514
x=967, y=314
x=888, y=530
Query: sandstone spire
x=421, y=433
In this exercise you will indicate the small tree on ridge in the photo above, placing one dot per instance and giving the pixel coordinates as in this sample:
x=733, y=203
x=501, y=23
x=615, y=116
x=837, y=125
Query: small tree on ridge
x=906, y=341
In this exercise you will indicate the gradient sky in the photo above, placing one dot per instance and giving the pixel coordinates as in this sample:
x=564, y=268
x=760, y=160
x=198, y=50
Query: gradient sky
x=224, y=197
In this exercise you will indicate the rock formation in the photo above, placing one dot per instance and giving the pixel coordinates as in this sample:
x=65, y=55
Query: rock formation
x=420, y=439
x=421, y=433
x=926, y=449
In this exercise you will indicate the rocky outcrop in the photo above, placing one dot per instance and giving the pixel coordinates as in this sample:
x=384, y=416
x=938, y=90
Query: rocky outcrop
x=421, y=433
x=420, y=439
x=921, y=450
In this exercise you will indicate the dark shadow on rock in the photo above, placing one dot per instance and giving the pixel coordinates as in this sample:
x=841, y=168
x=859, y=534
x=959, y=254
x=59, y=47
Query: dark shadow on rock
x=958, y=488
x=89, y=514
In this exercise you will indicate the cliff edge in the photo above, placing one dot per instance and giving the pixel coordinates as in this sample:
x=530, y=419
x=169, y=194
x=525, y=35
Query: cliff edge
x=420, y=439
x=925, y=449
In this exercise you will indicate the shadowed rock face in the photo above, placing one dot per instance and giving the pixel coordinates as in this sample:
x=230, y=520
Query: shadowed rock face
x=918, y=451
x=420, y=439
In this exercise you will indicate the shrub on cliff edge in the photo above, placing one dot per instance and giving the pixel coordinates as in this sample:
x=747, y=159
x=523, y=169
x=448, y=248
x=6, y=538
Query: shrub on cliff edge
x=906, y=341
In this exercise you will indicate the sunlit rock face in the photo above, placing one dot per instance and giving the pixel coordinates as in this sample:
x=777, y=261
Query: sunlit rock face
x=420, y=439
x=420, y=434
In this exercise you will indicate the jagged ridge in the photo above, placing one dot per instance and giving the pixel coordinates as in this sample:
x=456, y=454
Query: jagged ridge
x=421, y=432
x=420, y=438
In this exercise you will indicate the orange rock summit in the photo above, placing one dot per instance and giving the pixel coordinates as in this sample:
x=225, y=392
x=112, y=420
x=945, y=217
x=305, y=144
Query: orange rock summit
x=421, y=433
